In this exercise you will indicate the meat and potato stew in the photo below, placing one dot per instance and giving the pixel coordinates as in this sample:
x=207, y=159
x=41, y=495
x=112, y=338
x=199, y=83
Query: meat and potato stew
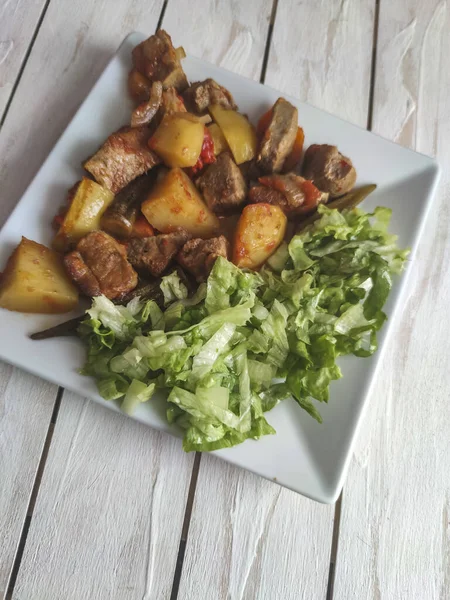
x=189, y=178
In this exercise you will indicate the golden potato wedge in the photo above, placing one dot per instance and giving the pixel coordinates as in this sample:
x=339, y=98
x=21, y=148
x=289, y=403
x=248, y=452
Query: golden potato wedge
x=84, y=215
x=178, y=139
x=238, y=132
x=259, y=232
x=175, y=202
x=35, y=281
x=219, y=141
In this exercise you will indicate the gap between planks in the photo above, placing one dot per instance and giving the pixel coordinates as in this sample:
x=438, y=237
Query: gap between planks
x=373, y=66
x=334, y=547
x=161, y=16
x=34, y=493
x=185, y=529
x=24, y=62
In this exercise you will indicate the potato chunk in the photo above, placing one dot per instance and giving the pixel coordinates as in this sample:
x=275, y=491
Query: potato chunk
x=260, y=230
x=238, y=132
x=35, y=281
x=178, y=140
x=175, y=202
x=219, y=141
x=84, y=215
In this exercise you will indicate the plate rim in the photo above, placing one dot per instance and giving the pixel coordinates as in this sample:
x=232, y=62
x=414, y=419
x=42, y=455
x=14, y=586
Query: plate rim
x=435, y=171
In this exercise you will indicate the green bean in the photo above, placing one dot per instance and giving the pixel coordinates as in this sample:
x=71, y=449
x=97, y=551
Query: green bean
x=349, y=200
x=67, y=328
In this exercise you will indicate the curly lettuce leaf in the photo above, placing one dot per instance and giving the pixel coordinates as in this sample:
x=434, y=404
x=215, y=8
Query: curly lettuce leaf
x=246, y=341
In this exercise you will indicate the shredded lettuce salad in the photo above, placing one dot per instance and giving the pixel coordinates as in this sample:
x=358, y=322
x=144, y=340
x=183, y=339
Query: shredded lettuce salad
x=246, y=340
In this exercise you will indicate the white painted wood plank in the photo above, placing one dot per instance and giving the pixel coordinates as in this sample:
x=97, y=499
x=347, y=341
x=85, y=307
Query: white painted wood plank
x=251, y=539
x=248, y=538
x=229, y=34
x=18, y=21
x=26, y=405
x=395, y=528
x=321, y=53
x=109, y=513
x=73, y=45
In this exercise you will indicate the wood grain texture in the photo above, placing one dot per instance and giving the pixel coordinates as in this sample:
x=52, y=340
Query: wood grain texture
x=249, y=539
x=230, y=34
x=321, y=53
x=26, y=406
x=18, y=21
x=396, y=512
x=108, y=517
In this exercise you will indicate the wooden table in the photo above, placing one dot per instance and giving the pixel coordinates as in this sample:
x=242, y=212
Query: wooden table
x=95, y=506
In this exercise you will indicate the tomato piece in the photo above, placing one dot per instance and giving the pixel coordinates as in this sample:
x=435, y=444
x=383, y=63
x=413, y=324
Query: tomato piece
x=274, y=182
x=312, y=195
x=207, y=152
x=301, y=195
x=57, y=221
x=296, y=153
x=142, y=228
x=207, y=155
x=264, y=122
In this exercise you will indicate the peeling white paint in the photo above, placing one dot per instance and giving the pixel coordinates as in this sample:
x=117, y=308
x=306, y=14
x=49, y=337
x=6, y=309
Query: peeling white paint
x=431, y=57
x=395, y=114
x=238, y=52
x=5, y=49
x=246, y=533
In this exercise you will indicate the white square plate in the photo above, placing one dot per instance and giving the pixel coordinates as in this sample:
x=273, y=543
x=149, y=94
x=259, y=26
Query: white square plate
x=304, y=456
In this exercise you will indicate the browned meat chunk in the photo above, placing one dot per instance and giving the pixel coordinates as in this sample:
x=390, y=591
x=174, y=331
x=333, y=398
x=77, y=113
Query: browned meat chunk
x=123, y=157
x=82, y=274
x=250, y=171
x=279, y=137
x=293, y=194
x=157, y=59
x=198, y=256
x=153, y=254
x=265, y=195
x=203, y=93
x=329, y=170
x=223, y=185
x=99, y=265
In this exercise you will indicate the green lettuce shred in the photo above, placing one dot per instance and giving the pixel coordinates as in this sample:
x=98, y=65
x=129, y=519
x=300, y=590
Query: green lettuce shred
x=246, y=341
